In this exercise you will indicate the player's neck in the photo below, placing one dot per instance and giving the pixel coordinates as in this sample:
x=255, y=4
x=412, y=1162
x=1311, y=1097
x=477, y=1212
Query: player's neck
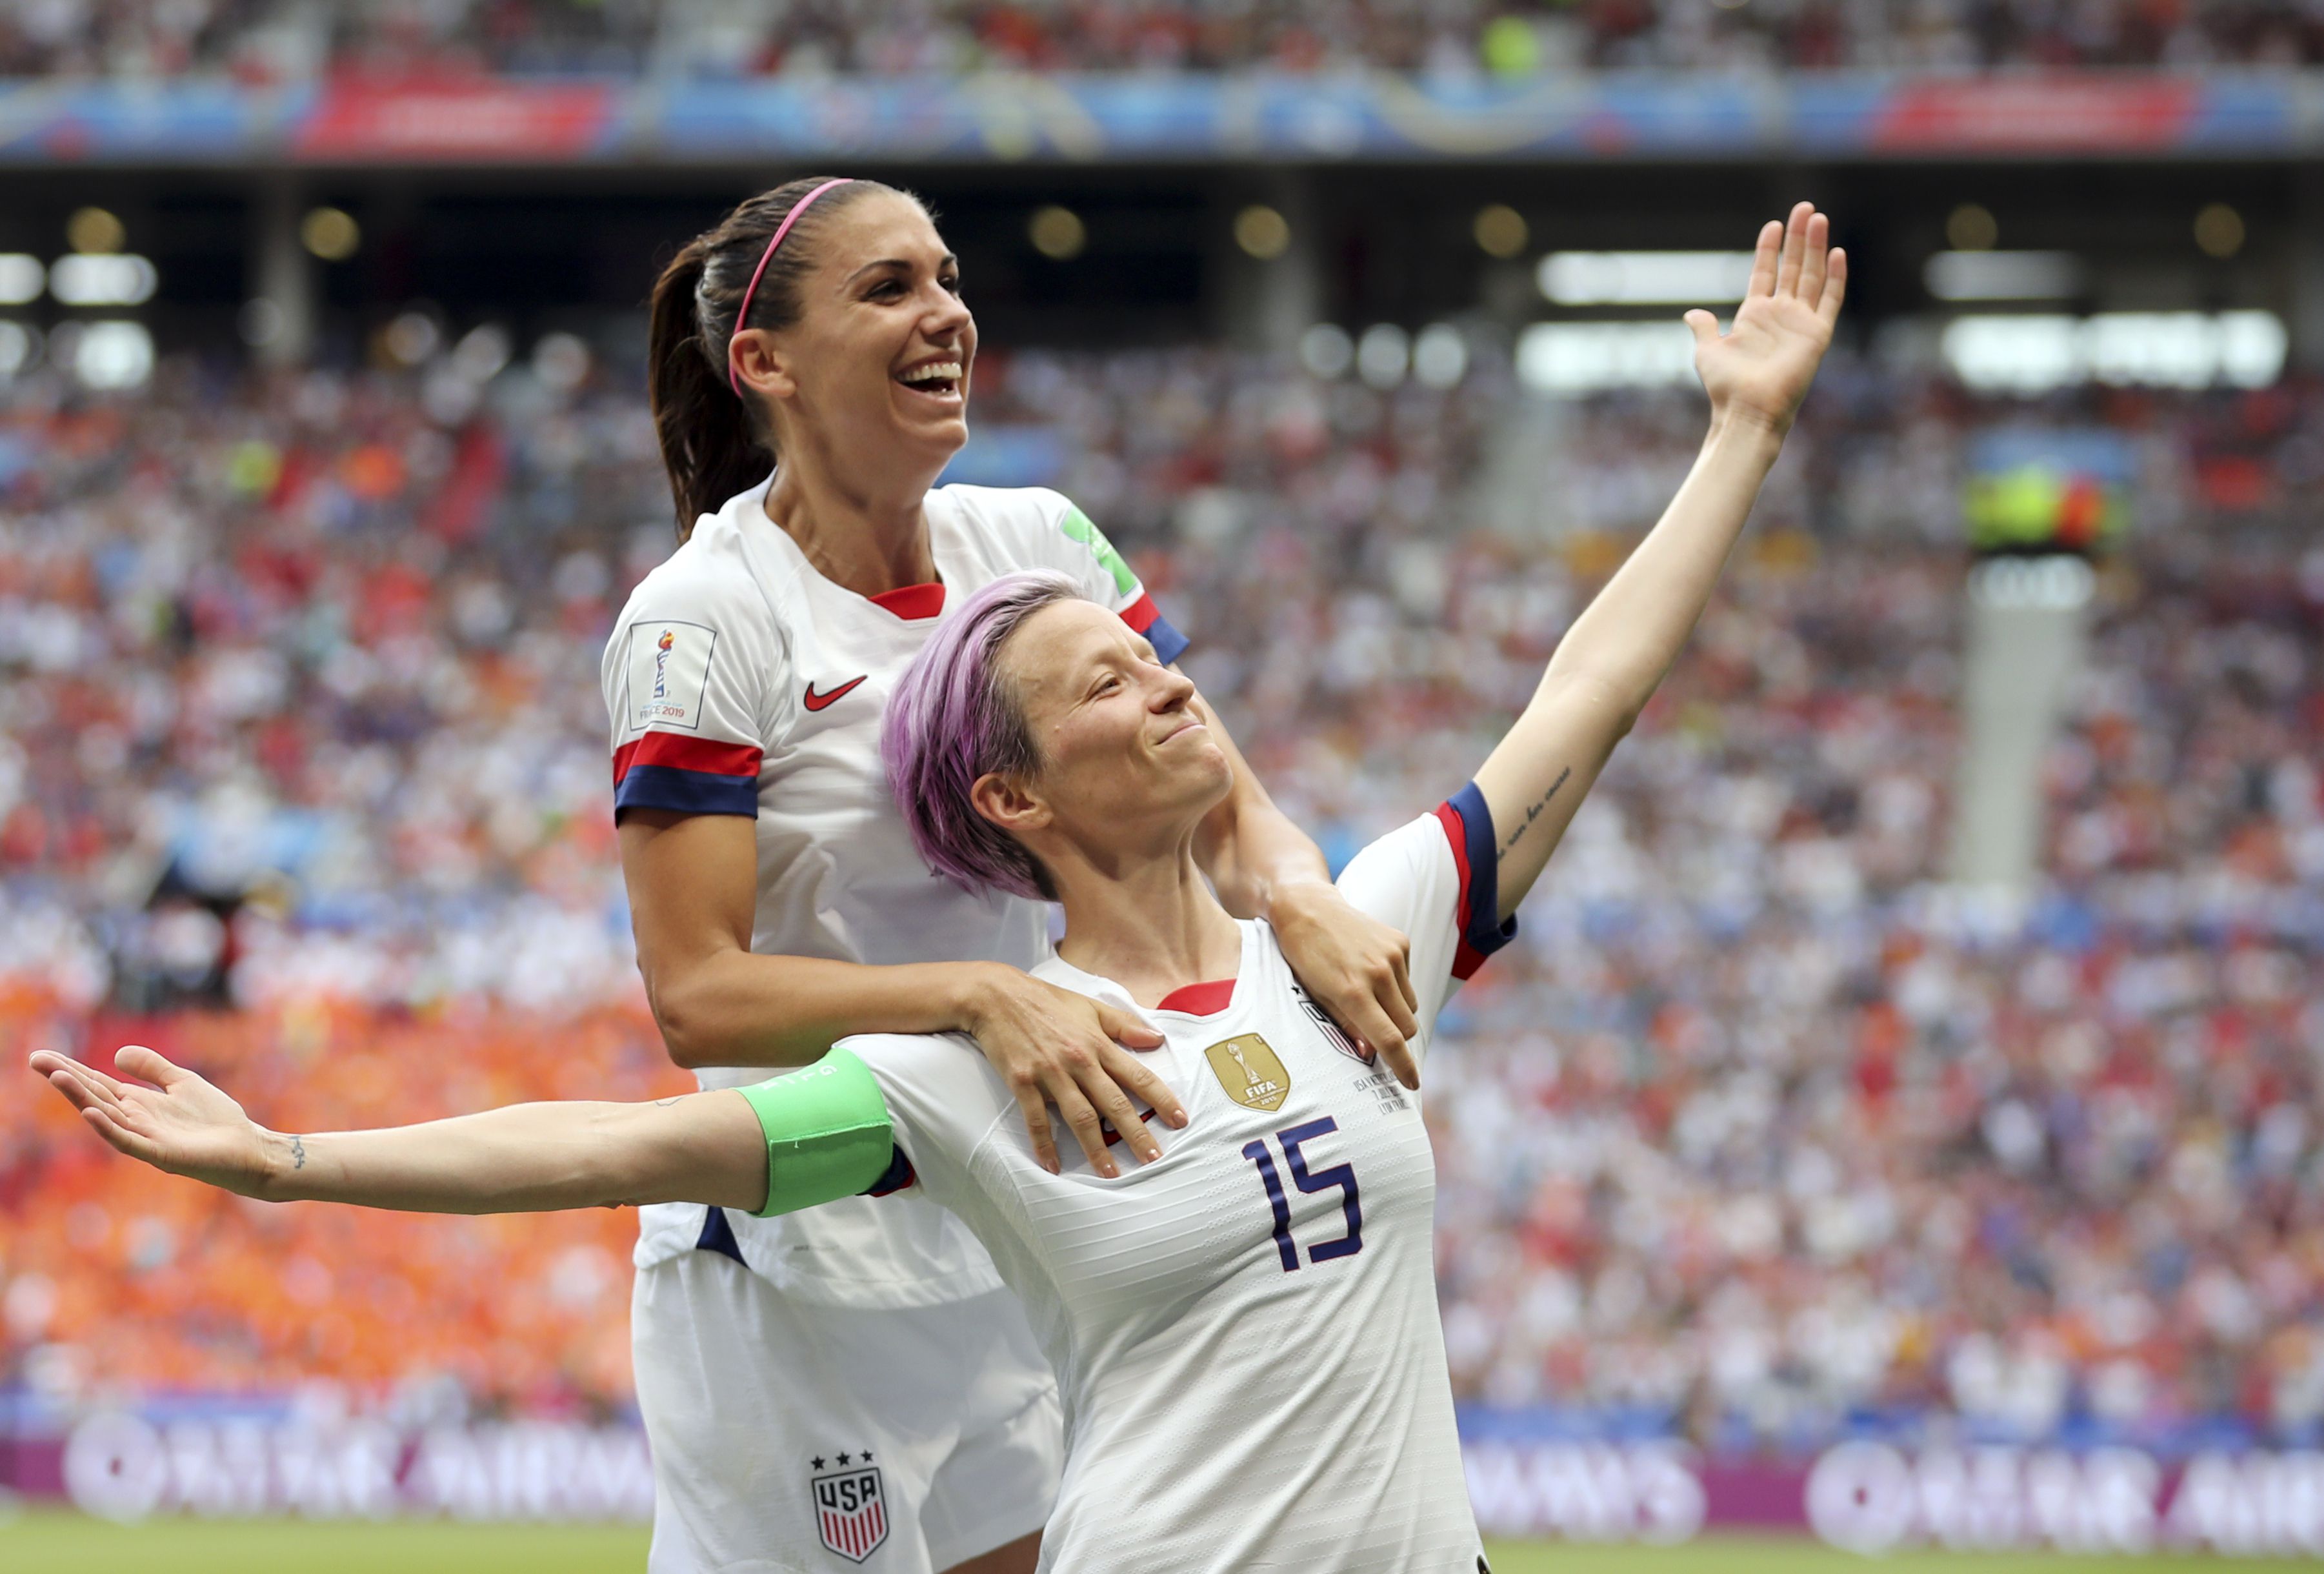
x=865, y=534
x=1150, y=924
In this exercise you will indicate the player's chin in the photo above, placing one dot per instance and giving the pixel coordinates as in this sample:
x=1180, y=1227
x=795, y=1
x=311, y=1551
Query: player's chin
x=940, y=433
x=1168, y=786
x=1197, y=769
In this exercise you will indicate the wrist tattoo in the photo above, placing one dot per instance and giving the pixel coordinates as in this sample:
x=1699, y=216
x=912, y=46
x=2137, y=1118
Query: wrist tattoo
x=1533, y=814
x=297, y=1155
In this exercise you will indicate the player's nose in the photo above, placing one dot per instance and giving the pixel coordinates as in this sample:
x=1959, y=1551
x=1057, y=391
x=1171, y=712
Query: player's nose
x=1172, y=691
x=945, y=323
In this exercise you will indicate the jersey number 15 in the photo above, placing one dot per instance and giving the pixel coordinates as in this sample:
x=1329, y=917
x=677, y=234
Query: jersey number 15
x=1341, y=1176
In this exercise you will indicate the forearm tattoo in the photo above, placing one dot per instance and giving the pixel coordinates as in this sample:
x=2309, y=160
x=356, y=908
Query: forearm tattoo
x=1533, y=814
x=297, y=1155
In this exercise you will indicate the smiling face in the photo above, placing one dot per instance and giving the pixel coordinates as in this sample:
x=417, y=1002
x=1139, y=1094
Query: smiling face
x=877, y=366
x=1126, y=759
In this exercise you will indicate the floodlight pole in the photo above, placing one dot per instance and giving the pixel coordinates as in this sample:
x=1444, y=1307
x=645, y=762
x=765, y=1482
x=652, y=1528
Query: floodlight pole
x=279, y=319
x=1266, y=304
x=2307, y=270
x=2028, y=625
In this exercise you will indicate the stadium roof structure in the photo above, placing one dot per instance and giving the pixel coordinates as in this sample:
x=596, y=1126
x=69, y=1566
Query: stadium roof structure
x=1178, y=119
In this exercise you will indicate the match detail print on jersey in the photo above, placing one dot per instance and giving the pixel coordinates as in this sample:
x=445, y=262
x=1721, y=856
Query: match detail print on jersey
x=815, y=701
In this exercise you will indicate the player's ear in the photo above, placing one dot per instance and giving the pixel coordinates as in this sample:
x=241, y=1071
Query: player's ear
x=761, y=363
x=1008, y=803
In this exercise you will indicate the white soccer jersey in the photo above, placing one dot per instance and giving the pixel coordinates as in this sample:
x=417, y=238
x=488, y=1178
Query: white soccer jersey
x=1245, y=1331
x=740, y=681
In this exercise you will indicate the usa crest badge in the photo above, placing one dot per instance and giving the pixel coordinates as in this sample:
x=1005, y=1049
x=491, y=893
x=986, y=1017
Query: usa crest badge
x=851, y=1508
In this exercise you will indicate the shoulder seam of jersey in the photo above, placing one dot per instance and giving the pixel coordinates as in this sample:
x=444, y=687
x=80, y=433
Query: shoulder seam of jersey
x=774, y=616
x=770, y=725
x=968, y=1042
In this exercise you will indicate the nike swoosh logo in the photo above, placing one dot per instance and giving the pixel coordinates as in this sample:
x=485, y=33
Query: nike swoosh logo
x=817, y=701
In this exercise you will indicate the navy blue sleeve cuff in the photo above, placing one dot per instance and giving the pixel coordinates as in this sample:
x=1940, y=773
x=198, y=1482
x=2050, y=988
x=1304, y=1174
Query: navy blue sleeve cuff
x=685, y=792
x=1168, y=643
x=1483, y=930
x=897, y=1175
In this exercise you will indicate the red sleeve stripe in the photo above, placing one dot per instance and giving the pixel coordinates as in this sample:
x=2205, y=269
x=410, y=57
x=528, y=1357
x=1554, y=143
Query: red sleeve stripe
x=1144, y=617
x=680, y=753
x=1465, y=958
x=1468, y=822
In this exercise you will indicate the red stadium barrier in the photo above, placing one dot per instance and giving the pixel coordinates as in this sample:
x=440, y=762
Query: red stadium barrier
x=2051, y=113
x=456, y=120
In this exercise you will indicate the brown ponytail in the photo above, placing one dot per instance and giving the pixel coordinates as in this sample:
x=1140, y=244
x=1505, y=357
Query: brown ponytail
x=713, y=444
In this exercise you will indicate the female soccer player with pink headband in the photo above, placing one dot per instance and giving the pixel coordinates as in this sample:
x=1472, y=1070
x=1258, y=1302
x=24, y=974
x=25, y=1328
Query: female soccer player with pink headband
x=1246, y=1327
x=854, y=1380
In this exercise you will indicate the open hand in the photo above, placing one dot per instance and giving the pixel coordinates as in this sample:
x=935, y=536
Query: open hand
x=1356, y=967
x=181, y=1124
x=1761, y=367
x=1054, y=1047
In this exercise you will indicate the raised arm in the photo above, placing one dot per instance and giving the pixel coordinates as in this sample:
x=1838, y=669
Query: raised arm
x=1614, y=657
x=527, y=1158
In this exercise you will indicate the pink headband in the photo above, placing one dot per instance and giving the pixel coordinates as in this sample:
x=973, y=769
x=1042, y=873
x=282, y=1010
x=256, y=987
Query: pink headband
x=782, y=229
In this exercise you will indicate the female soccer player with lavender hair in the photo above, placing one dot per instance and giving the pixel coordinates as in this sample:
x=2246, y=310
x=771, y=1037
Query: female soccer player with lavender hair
x=1245, y=1328
x=779, y=905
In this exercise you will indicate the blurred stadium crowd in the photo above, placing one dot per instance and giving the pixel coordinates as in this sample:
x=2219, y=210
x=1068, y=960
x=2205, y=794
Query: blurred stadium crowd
x=1754, y=1130
x=263, y=40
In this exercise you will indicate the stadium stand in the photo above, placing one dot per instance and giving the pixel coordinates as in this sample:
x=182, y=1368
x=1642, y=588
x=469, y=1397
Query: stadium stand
x=278, y=41
x=1754, y=1131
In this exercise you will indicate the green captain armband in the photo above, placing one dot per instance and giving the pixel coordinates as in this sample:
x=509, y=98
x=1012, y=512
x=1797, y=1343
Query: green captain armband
x=828, y=1134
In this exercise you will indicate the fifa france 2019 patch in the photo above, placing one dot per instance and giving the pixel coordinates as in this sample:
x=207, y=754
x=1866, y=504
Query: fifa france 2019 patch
x=670, y=673
x=1250, y=1072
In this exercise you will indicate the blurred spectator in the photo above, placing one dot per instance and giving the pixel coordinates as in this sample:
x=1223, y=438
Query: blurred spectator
x=298, y=630
x=1756, y=1129
x=115, y=1285
x=293, y=40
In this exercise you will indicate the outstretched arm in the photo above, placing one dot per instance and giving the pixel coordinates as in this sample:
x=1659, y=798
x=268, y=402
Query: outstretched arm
x=1615, y=655
x=692, y=886
x=527, y=1158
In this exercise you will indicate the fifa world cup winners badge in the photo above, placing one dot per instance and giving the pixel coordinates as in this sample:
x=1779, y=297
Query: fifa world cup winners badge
x=1250, y=1072
x=851, y=1508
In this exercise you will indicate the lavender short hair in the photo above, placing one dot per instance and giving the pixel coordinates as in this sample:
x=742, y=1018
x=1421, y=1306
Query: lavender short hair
x=953, y=719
